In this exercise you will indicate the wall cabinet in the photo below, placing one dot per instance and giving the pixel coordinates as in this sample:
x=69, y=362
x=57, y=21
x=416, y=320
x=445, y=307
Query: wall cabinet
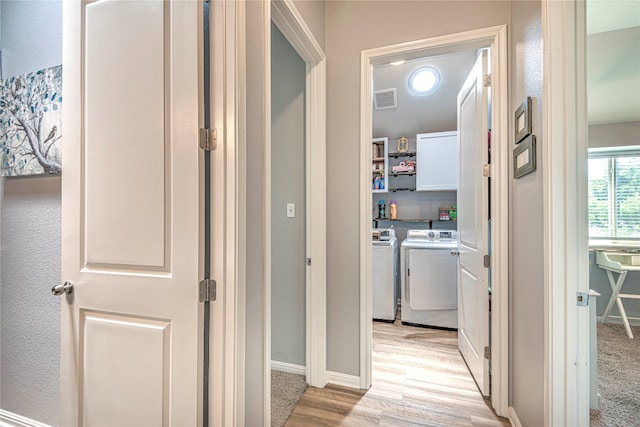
x=379, y=164
x=437, y=161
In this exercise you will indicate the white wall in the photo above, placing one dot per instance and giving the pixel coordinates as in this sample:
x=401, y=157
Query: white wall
x=614, y=134
x=526, y=314
x=352, y=26
x=288, y=80
x=30, y=231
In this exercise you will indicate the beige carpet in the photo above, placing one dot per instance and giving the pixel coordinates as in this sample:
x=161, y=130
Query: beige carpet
x=618, y=377
x=286, y=390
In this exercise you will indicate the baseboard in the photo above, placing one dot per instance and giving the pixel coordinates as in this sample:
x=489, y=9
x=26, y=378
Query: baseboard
x=288, y=367
x=617, y=320
x=344, y=380
x=513, y=417
x=9, y=419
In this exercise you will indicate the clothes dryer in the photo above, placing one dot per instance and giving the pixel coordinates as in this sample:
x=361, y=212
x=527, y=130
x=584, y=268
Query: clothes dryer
x=385, y=274
x=429, y=284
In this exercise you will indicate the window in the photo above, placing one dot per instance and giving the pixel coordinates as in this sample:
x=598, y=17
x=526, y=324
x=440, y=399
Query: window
x=614, y=193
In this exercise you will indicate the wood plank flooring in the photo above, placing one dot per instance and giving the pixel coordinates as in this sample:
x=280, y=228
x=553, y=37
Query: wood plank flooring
x=419, y=379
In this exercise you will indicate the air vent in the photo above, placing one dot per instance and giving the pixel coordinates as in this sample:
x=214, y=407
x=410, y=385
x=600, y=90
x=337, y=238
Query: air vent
x=385, y=98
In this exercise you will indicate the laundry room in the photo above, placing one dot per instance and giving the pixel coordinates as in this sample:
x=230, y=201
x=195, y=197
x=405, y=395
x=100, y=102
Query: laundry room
x=415, y=162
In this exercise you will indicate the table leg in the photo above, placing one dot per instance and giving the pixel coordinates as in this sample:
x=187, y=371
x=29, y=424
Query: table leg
x=623, y=314
x=615, y=288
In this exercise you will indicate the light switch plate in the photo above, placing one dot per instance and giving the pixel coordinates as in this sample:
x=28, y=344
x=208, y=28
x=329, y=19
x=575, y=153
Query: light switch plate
x=291, y=210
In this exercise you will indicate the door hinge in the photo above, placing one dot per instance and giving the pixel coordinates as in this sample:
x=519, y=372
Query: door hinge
x=487, y=353
x=208, y=139
x=207, y=290
x=487, y=261
x=486, y=80
x=486, y=170
x=582, y=299
x=308, y=261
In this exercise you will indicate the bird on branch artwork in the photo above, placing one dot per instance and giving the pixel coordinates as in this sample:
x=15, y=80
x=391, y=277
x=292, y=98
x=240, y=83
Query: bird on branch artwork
x=30, y=128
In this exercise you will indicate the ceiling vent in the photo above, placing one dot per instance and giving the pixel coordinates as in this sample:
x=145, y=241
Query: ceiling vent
x=385, y=98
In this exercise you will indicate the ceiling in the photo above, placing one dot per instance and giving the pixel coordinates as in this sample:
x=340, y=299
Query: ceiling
x=420, y=114
x=613, y=77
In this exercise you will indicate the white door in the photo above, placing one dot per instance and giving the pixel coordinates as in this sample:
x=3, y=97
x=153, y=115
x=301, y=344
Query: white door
x=473, y=215
x=131, y=226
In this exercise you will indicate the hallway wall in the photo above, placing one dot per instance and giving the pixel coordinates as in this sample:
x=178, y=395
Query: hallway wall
x=288, y=251
x=30, y=236
x=526, y=265
x=353, y=26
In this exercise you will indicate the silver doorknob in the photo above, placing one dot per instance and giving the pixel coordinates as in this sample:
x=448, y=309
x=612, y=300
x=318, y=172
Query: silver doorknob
x=67, y=288
x=455, y=252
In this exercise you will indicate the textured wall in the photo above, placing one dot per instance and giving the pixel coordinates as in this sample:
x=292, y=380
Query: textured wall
x=288, y=268
x=526, y=290
x=30, y=232
x=353, y=26
x=31, y=35
x=30, y=323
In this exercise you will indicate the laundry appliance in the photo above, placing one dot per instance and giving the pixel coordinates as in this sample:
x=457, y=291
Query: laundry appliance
x=429, y=278
x=385, y=274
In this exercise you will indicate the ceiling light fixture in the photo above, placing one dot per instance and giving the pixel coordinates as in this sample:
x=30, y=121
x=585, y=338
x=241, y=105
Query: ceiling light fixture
x=424, y=81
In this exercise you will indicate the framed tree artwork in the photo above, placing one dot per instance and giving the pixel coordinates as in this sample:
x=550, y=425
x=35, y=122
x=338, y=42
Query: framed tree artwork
x=30, y=123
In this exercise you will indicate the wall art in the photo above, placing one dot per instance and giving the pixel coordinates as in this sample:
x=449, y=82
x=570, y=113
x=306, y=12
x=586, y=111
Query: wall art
x=30, y=123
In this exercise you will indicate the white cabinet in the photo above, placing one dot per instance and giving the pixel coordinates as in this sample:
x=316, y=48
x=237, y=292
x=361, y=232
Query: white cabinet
x=437, y=161
x=379, y=165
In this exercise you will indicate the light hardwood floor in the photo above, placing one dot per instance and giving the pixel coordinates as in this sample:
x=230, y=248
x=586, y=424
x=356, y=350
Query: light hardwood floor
x=419, y=379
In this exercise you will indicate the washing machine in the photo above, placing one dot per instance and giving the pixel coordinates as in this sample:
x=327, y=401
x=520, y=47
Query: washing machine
x=429, y=278
x=385, y=279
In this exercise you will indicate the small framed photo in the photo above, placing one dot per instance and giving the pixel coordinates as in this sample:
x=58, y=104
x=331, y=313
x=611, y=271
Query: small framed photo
x=523, y=120
x=524, y=157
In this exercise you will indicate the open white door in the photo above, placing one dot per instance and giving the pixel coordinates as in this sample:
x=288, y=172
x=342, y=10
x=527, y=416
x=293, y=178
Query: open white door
x=473, y=216
x=131, y=225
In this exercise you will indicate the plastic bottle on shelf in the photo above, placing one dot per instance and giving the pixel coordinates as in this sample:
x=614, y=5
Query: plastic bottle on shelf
x=381, y=209
x=393, y=210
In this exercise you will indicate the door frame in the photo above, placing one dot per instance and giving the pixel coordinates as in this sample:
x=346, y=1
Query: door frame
x=495, y=37
x=287, y=18
x=228, y=211
x=564, y=159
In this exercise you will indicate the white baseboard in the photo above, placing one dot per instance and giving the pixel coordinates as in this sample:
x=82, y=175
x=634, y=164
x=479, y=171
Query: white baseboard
x=344, y=380
x=617, y=320
x=9, y=419
x=288, y=367
x=513, y=417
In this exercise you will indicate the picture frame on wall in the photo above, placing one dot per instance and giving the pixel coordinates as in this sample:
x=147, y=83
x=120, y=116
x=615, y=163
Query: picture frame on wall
x=523, y=120
x=524, y=157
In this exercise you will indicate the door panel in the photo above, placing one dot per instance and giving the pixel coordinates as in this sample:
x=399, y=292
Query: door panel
x=130, y=334
x=143, y=352
x=473, y=310
x=125, y=102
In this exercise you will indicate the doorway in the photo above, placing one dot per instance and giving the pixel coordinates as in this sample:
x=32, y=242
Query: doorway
x=287, y=20
x=495, y=40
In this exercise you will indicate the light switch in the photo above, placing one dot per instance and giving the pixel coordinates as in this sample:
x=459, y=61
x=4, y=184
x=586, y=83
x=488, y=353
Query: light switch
x=291, y=210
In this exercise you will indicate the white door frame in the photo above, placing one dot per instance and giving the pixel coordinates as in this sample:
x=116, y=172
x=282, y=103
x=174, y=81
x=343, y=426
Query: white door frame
x=496, y=37
x=228, y=212
x=289, y=21
x=564, y=161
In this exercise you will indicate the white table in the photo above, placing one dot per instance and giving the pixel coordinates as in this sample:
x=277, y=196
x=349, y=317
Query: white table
x=618, y=262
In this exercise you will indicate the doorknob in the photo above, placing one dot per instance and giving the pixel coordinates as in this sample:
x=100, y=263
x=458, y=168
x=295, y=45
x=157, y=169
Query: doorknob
x=67, y=288
x=455, y=252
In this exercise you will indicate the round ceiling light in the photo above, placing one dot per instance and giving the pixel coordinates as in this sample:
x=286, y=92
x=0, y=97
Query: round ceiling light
x=424, y=80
